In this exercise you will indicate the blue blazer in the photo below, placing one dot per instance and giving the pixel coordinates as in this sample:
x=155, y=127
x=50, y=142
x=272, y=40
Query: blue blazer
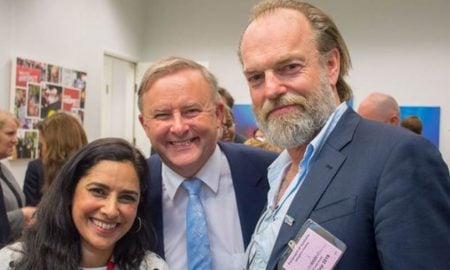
x=383, y=191
x=249, y=172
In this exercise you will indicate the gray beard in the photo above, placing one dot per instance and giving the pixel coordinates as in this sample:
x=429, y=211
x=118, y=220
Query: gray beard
x=297, y=129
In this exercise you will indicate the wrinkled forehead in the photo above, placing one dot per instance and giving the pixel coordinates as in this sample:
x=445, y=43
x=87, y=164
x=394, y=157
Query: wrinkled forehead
x=180, y=89
x=276, y=21
x=276, y=37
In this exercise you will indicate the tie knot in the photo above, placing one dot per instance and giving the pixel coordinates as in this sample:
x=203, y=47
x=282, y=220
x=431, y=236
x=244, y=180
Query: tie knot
x=192, y=186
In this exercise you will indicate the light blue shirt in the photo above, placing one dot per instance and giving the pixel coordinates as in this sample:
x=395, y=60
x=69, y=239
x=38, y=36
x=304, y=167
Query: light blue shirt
x=220, y=205
x=266, y=231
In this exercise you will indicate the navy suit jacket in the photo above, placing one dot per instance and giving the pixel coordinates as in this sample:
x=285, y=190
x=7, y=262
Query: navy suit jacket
x=383, y=191
x=249, y=173
x=34, y=180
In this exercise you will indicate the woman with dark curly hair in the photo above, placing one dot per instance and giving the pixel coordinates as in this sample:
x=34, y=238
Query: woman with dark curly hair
x=92, y=215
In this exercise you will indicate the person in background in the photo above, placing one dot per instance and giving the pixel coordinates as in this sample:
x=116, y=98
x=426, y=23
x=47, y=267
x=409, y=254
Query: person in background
x=181, y=111
x=19, y=216
x=92, y=215
x=381, y=190
x=229, y=133
x=412, y=123
x=258, y=140
x=227, y=98
x=60, y=135
x=380, y=107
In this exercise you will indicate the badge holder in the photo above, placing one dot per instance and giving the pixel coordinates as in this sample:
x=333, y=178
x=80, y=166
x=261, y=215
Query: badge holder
x=313, y=248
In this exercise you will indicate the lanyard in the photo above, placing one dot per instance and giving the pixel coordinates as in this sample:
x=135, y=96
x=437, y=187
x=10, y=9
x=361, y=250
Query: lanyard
x=299, y=178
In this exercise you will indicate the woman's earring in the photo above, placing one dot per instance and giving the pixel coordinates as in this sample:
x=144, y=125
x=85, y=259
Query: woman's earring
x=140, y=225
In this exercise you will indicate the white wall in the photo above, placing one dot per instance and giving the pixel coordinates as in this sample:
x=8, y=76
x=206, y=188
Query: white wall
x=5, y=48
x=203, y=30
x=399, y=47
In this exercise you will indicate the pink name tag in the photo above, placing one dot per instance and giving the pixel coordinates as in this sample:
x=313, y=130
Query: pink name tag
x=314, y=249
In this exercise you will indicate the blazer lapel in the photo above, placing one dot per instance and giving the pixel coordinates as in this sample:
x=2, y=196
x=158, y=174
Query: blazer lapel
x=319, y=177
x=322, y=172
x=155, y=201
x=249, y=184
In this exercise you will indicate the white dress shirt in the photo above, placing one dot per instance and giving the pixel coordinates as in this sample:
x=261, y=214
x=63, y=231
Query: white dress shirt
x=219, y=201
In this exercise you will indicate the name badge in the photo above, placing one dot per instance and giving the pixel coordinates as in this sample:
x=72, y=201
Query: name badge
x=314, y=248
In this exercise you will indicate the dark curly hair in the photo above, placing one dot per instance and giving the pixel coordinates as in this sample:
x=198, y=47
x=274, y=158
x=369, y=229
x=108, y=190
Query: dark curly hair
x=53, y=241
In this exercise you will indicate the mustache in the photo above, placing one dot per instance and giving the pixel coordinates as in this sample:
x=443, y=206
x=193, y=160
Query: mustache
x=285, y=100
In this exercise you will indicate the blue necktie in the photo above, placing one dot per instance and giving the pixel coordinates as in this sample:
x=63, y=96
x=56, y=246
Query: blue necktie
x=198, y=251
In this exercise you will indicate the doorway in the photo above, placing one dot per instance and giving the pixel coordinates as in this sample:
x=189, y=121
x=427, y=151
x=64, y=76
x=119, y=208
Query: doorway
x=119, y=110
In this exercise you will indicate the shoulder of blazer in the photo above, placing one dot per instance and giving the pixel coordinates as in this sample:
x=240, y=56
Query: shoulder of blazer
x=155, y=178
x=239, y=152
x=37, y=163
x=352, y=126
x=36, y=167
x=154, y=164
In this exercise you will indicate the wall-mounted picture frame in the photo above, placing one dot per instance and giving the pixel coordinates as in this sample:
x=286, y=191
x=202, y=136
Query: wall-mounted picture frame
x=38, y=90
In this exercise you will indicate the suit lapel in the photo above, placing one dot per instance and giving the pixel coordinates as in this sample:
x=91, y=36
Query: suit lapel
x=322, y=172
x=310, y=192
x=155, y=202
x=250, y=186
x=247, y=182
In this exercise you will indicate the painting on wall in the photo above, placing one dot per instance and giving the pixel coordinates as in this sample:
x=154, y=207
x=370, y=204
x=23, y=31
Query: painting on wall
x=430, y=117
x=39, y=90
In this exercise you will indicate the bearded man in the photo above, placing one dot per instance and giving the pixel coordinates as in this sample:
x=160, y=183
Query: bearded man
x=352, y=193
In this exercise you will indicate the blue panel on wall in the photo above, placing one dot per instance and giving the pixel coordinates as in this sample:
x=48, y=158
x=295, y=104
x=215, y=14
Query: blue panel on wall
x=430, y=117
x=245, y=120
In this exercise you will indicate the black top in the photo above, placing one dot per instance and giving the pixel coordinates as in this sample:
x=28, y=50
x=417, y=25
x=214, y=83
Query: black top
x=34, y=180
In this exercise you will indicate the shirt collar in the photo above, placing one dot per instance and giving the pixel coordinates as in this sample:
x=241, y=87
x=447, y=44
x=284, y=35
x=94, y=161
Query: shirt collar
x=318, y=142
x=209, y=174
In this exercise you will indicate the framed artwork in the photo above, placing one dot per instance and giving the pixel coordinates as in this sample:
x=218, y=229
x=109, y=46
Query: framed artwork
x=39, y=90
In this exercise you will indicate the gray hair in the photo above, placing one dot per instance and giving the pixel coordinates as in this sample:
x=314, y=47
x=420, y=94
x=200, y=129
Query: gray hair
x=5, y=116
x=171, y=65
